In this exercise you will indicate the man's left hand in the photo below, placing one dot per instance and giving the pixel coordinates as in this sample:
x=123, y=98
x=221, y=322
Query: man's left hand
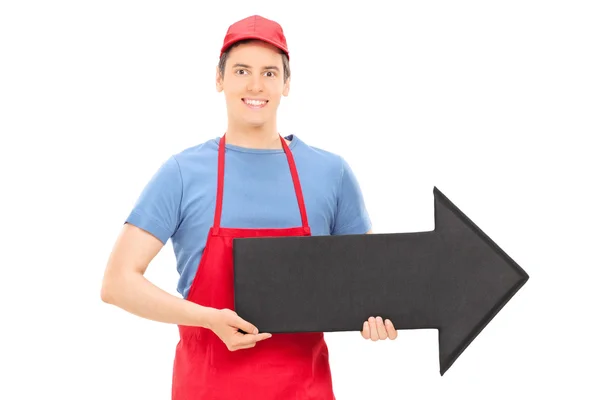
x=377, y=329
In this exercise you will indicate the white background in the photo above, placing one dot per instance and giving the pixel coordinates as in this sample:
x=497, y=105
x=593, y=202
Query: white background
x=495, y=103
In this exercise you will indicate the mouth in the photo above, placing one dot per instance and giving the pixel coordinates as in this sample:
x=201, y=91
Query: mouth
x=255, y=104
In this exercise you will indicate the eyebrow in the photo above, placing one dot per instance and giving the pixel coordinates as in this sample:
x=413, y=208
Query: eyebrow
x=247, y=66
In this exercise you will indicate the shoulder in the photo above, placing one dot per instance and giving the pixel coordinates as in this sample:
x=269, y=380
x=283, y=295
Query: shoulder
x=327, y=162
x=195, y=153
x=318, y=153
x=196, y=160
x=178, y=169
x=317, y=156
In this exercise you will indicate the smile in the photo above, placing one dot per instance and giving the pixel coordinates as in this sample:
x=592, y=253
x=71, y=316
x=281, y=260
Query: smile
x=254, y=103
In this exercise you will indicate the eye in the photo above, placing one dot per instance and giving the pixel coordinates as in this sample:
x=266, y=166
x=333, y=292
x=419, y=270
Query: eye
x=272, y=74
x=240, y=71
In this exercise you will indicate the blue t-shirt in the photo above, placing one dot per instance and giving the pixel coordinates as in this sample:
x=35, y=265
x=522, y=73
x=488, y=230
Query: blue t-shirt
x=178, y=203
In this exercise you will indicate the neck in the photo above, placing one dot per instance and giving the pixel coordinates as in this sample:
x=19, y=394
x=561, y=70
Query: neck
x=262, y=137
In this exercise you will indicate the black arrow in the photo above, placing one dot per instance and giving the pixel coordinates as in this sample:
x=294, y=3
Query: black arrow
x=454, y=279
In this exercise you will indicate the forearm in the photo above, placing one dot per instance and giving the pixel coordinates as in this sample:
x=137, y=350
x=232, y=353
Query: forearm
x=134, y=293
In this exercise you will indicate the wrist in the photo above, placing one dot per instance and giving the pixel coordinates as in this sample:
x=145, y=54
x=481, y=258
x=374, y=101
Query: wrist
x=206, y=317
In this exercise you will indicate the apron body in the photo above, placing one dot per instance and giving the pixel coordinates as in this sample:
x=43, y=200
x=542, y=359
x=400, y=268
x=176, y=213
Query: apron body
x=285, y=366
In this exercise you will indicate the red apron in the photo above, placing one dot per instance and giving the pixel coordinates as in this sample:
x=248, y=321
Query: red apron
x=283, y=367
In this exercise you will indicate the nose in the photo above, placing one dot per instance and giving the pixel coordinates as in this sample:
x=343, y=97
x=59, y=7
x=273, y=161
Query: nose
x=255, y=84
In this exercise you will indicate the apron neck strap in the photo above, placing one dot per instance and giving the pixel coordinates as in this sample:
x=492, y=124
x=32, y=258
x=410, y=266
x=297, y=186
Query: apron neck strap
x=295, y=179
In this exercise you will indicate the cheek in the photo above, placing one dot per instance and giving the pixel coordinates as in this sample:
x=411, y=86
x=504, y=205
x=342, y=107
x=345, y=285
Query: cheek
x=232, y=98
x=276, y=91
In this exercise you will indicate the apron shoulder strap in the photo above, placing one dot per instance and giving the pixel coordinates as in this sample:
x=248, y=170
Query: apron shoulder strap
x=295, y=179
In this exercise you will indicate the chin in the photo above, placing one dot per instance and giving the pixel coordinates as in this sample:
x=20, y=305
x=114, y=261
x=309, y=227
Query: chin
x=255, y=123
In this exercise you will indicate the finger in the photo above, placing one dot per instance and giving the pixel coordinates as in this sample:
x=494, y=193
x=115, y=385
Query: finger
x=244, y=325
x=365, y=332
x=373, y=329
x=391, y=330
x=381, y=330
x=243, y=347
x=246, y=340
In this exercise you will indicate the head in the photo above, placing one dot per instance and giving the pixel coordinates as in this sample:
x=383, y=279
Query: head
x=253, y=75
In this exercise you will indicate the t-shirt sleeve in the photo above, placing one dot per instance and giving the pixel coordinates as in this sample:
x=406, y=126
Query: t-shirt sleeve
x=157, y=209
x=351, y=215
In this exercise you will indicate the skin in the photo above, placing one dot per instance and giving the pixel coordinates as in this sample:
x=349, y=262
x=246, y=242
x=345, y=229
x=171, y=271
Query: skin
x=253, y=70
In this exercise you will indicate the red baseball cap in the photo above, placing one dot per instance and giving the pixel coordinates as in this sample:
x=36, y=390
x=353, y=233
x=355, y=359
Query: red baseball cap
x=256, y=27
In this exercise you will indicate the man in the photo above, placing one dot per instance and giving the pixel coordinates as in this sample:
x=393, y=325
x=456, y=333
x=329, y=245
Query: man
x=274, y=187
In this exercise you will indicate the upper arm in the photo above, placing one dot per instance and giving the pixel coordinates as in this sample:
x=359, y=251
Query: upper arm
x=152, y=221
x=351, y=216
x=158, y=208
x=133, y=251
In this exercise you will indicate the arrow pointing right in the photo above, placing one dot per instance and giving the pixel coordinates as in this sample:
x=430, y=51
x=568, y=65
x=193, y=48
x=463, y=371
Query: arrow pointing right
x=475, y=280
x=454, y=279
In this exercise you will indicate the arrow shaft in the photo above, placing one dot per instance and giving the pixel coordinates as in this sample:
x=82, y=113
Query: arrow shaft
x=390, y=275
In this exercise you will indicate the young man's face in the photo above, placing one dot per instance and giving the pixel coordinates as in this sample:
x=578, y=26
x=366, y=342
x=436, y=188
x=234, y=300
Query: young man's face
x=253, y=84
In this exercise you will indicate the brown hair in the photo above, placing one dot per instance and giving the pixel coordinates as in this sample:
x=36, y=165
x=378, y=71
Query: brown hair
x=284, y=57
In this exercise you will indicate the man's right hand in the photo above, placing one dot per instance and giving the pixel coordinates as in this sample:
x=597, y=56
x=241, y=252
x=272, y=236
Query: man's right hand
x=226, y=324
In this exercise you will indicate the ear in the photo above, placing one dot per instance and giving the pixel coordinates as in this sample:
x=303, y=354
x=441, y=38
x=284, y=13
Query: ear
x=286, y=87
x=219, y=80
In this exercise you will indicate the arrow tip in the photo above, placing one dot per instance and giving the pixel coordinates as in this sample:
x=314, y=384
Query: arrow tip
x=443, y=369
x=486, y=275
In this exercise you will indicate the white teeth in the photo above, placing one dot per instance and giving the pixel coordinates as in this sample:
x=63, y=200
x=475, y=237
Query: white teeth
x=255, y=102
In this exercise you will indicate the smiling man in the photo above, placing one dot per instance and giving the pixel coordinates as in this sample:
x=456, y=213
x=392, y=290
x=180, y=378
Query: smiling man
x=249, y=182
